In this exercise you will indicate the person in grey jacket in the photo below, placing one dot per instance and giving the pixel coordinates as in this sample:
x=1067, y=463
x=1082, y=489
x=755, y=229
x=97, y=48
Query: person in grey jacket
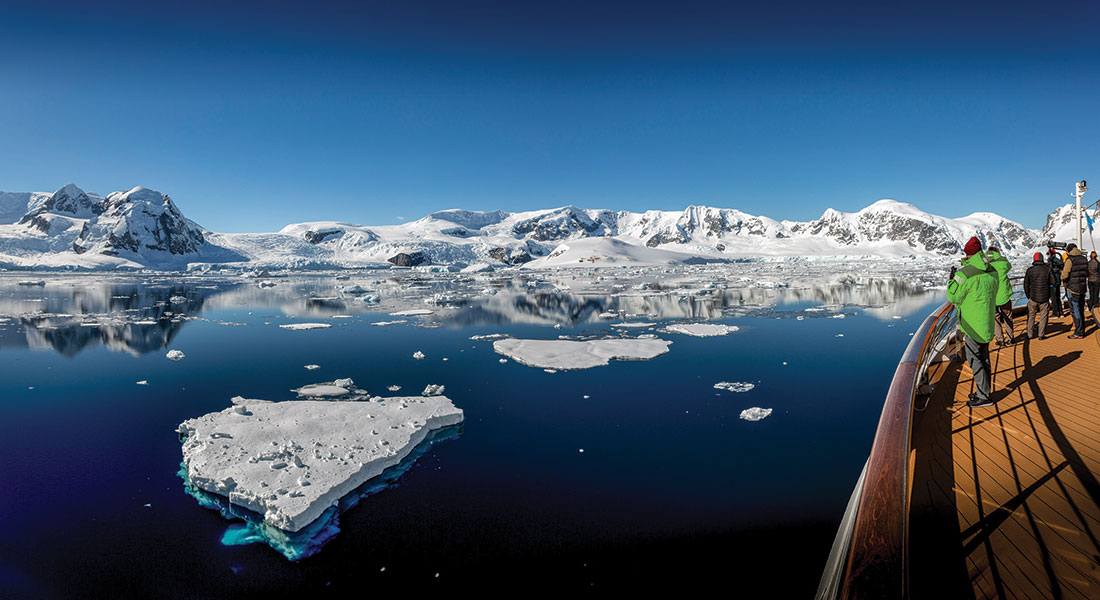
x=1094, y=280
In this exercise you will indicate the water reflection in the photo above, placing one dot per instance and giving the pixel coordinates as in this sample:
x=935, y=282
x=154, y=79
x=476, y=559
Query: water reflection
x=133, y=318
x=142, y=315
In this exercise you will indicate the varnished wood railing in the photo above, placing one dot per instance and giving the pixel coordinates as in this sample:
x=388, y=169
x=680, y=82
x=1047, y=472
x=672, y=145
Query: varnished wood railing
x=870, y=554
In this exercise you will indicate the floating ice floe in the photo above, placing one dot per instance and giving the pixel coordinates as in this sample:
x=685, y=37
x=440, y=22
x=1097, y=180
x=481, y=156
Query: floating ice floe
x=490, y=336
x=564, y=354
x=175, y=355
x=177, y=299
x=288, y=469
x=418, y=355
x=701, y=329
x=388, y=323
x=640, y=325
x=143, y=382
x=340, y=388
x=609, y=315
x=312, y=367
x=755, y=413
x=415, y=312
x=394, y=388
x=734, y=386
x=432, y=390
x=304, y=326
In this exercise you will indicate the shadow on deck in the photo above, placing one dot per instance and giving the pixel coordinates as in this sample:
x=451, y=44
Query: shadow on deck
x=1006, y=498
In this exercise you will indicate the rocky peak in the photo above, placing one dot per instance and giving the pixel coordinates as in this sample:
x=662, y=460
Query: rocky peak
x=136, y=221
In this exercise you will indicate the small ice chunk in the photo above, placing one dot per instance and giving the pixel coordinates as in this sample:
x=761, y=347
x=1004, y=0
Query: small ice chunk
x=755, y=413
x=312, y=367
x=394, y=388
x=415, y=312
x=639, y=324
x=175, y=355
x=143, y=382
x=418, y=355
x=840, y=335
x=734, y=386
x=304, y=326
x=177, y=299
x=432, y=390
x=387, y=323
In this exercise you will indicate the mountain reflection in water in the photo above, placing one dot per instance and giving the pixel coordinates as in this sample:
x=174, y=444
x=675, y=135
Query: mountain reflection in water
x=143, y=316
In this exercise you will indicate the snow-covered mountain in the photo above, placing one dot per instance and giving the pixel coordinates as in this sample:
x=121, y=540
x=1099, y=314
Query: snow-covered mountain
x=143, y=228
x=71, y=228
x=1061, y=226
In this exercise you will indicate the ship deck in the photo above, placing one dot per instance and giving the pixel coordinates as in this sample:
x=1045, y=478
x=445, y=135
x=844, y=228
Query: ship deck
x=1005, y=499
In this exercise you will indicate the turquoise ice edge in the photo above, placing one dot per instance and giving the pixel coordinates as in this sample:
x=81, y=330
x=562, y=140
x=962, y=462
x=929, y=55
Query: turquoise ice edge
x=310, y=539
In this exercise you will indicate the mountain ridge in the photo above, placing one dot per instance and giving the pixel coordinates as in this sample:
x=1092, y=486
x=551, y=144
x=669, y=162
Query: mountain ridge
x=142, y=228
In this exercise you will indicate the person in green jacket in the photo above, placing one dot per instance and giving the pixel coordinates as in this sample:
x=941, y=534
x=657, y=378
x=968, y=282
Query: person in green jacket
x=1003, y=316
x=973, y=290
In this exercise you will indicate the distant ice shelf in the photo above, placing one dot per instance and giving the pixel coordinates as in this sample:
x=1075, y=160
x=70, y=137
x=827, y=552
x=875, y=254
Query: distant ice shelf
x=287, y=469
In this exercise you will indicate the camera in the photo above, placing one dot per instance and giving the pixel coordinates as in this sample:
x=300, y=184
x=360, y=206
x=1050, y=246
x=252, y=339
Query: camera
x=1059, y=245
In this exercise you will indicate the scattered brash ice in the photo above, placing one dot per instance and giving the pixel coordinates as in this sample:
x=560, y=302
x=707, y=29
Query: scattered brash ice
x=304, y=326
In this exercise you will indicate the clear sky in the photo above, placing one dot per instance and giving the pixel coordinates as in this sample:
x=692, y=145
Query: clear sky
x=267, y=113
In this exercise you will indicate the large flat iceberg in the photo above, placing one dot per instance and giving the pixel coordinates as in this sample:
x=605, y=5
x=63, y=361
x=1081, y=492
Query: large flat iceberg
x=565, y=354
x=290, y=462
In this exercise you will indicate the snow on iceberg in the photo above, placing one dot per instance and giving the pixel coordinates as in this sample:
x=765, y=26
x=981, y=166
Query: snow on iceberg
x=304, y=326
x=175, y=355
x=701, y=329
x=755, y=413
x=288, y=469
x=734, y=386
x=565, y=354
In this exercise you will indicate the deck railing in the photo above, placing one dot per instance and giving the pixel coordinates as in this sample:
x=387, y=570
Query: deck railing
x=869, y=558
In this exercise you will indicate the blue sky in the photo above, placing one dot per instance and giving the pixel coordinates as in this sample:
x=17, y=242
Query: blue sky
x=266, y=113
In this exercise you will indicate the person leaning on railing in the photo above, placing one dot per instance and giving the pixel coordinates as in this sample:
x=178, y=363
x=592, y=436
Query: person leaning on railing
x=973, y=290
x=1038, y=281
x=1003, y=316
x=1075, y=274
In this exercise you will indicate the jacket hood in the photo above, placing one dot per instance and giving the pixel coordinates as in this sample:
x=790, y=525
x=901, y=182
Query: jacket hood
x=1075, y=252
x=1038, y=262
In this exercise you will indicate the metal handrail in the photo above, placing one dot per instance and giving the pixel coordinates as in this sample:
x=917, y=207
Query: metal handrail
x=869, y=558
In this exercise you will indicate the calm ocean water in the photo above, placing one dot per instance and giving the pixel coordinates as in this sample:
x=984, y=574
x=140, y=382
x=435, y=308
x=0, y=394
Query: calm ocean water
x=672, y=488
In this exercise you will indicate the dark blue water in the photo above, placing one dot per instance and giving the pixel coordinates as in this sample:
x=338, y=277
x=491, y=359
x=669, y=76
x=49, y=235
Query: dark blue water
x=672, y=488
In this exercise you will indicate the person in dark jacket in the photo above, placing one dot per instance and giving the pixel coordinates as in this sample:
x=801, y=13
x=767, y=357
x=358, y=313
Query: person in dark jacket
x=1094, y=280
x=1055, y=262
x=1038, y=281
x=1075, y=274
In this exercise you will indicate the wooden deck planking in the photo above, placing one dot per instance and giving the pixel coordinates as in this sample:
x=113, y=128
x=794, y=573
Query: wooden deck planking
x=1024, y=474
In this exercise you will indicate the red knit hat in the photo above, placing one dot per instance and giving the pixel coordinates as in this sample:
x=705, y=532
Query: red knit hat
x=973, y=246
x=1038, y=256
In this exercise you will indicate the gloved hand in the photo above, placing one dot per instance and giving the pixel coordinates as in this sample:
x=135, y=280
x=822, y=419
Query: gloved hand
x=952, y=275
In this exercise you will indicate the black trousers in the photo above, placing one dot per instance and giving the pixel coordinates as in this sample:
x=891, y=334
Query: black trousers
x=1056, y=301
x=1094, y=293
